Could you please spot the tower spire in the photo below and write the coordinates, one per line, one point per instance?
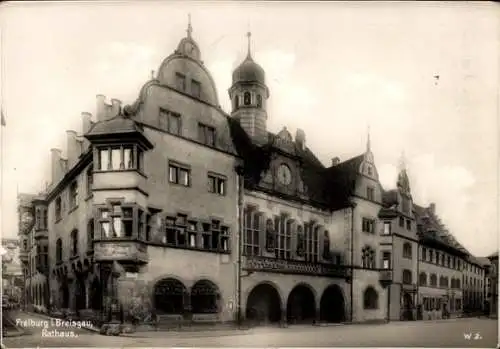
(402, 162)
(249, 35)
(368, 142)
(189, 28)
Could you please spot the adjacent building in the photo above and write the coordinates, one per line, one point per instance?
(171, 209)
(493, 291)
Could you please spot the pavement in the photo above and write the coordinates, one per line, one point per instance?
(461, 333)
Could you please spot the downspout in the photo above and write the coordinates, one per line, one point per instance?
(240, 186)
(352, 259)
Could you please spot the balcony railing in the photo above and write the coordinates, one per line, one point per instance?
(126, 251)
(273, 265)
(385, 276)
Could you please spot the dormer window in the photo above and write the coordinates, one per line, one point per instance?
(370, 193)
(247, 98)
(196, 88)
(259, 101)
(180, 81)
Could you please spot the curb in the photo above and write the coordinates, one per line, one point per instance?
(92, 329)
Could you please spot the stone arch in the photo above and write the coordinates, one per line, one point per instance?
(301, 304)
(169, 296)
(332, 304)
(264, 303)
(205, 297)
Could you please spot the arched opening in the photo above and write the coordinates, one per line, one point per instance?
(370, 298)
(64, 290)
(332, 305)
(95, 292)
(407, 306)
(301, 305)
(169, 296)
(263, 304)
(205, 297)
(80, 294)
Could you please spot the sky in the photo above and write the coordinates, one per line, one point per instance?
(422, 77)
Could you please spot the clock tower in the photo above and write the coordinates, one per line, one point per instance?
(249, 95)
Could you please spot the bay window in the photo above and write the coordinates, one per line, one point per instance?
(124, 157)
(116, 222)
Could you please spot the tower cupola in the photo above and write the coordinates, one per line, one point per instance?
(249, 95)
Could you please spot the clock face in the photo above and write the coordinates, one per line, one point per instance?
(284, 175)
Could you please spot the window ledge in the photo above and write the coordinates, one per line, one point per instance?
(141, 172)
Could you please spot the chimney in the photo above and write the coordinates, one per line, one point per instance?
(56, 172)
(300, 138)
(335, 161)
(101, 108)
(116, 107)
(72, 147)
(432, 207)
(86, 122)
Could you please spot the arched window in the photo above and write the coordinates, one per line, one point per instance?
(59, 250)
(74, 242)
(247, 98)
(433, 280)
(311, 242)
(370, 298)
(90, 235)
(407, 277)
(236, 102)
(422, 279)
(259, 101)
(457, 283)
(446, 282)
(407, 252)
(368, 258)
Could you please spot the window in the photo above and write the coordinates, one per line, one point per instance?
(448, 261)
(368, 225)
(401, 222)
(433, 280)
(408, 224)
(120, 158)
(370, 170)
(437, 257)
(179, 175)
(73, 195)
(424, 254)
(431, 256)
(90, 235)
(181, 232)
(216, 184)
(368, 258)
(252, 225)
(387, 228)
(38, 218)
(259, 101)
(407, 250)
(406, 204)
(58, 208)
(236, 102)
(45, 218)
(170, 122)
(370, 193)
(370, 298)
(89, 181)
(283, 227)
(180, 81)
(196, 88)
(407, 277)
(74, 243)
(59, 250)
(442, 259)
(206, 134)
(25, 245)
(247, 98)
(117, 222)
(422, 279)
(386, 260)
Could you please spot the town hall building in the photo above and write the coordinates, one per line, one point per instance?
(172, 209)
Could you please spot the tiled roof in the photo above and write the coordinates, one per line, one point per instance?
(324, 186)
(493, 256)
(115, 125)
(484, 261)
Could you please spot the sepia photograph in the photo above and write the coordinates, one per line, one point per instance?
(249, 174)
